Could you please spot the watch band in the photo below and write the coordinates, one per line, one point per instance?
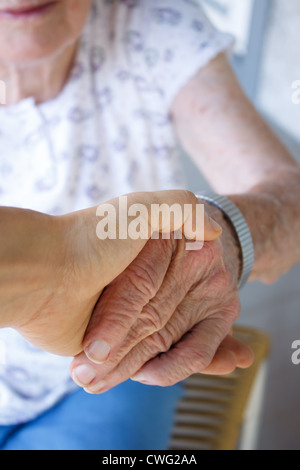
(241, 228)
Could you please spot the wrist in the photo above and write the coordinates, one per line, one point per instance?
(231, 247)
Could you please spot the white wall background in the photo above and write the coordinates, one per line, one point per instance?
(281, 66)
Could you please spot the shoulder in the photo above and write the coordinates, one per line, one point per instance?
(162, 42)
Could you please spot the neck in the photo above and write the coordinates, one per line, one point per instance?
(41, 80)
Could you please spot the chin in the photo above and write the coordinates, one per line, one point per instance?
(28, 54)
(35, 39)
(30, 47)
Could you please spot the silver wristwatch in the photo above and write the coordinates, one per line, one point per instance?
(241, 228)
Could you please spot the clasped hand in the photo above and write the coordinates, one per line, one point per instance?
(149, 310)
(167, 316)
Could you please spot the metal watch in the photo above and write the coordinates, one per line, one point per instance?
(241, 228)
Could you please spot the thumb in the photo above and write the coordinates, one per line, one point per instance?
(212, 230)
(181, 210)
(122, 226)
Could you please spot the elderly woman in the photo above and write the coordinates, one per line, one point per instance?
(99, 94)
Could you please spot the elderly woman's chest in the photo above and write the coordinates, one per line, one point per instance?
(98, 143)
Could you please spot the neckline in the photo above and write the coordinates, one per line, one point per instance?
(29, 104)
(22, 106)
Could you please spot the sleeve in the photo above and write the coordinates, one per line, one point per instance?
(174, 40)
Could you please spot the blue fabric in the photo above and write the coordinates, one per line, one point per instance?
(132, 416)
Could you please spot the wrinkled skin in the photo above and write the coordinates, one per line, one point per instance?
(172, 301)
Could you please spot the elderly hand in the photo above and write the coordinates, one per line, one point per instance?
(168, 316)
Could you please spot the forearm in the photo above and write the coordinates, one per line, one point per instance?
(27, 254)
(273, 217)
(242, 158)
(272, 211)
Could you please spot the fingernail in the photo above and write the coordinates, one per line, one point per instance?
(98, 351)
(96, 388)
(140, 377)
(214, 225)
(83, 375)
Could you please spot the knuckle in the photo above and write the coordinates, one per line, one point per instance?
(119, 321)
(154, 345)
(221, 281)
(201, 359)
(162, 341)
(228, 315)
(152, 318)
(143, 280)
(189, 363)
